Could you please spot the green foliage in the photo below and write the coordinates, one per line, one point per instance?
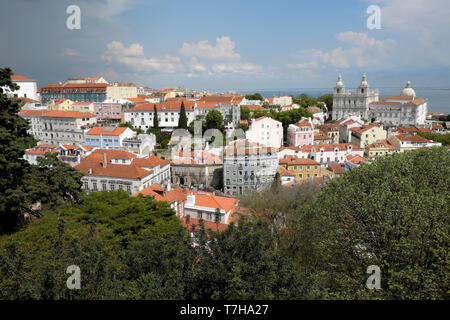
(242, 126)
(155, 118)
(130, 125)
(328, 99)
(255, 96)
(245, 113)
(183, 121)
(14, 141)
(436, 137)
(53, 182)
(393, 213)
(305, 100)
(214, 120)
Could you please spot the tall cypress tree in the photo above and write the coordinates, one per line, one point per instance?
(182, 121)
(14, 140)
(155, 118)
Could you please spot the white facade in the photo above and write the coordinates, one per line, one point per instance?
(266, 131)
(248, 166)
(58, 127)
(364, 102)
(282, 100)
(28, 88)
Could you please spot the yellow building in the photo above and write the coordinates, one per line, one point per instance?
(367, 134)
(60, 104)
(83, 106)
(379, 149)
(121, 91)
(302, 168)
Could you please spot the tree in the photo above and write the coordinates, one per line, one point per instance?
(393, 213)
(255, 96)
(443, 138)
(15, 139)
(183, 121)
(214, 120)
(245, 113)
(53, 182)
(155, 118)
(128, 124)
(328, 99)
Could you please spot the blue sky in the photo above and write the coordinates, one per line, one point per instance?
(230, 44)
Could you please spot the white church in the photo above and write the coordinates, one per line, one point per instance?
(405, 109)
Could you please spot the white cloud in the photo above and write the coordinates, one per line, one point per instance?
(223, 49)
(364, 52)
(217, 58)
(421, 27)
(71, 53)
(134, 58)
(106, 9)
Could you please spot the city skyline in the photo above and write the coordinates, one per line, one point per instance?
(232, 45)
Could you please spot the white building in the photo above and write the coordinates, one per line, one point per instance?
(405, 109)
(142, 115)
(248, 166)
(58, 127)
(114, 169)
(267, 131)
(28, 88)
(107, 137)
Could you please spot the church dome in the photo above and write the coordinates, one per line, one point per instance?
(408, 91)
(339, 83)
(364, 81)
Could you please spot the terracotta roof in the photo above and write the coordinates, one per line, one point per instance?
(314, 109)
(356, 159)
(208, 224)
(293, 160)
(97, 131)
(336, 168)
(303, 123)
(330, 147)
(170, 106)
(364, 128)
(16, 77)
(112, 170)
(253, 107)
(42, 149)
(150, 162)
(57, 113)
(97, 155)
(285, 172)
(382, 144)
(411, 138)
(209, 200)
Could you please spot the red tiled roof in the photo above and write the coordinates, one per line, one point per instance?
(356, 159)
(42, 149)
(293, 160)
(112, 170)
(171, 106)
(16, 77)
(381, 144)
(57, 113)
(97, 131)
(336, 168)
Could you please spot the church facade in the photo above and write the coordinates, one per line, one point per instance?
(405, 109)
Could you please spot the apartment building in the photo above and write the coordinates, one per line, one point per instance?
(58, 127)
(248, 166)
(303, 169)
(107, 137)
(300, 133)
(267, 131)
(367, 134)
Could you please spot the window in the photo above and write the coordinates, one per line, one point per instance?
(104, 186)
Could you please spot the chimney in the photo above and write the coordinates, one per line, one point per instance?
(105, 160)
(90, 171)
(190, 199)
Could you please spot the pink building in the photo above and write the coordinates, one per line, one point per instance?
(108, 110)
(301, 133)
(332, 153)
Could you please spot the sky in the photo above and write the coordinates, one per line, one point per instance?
(229, 45)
